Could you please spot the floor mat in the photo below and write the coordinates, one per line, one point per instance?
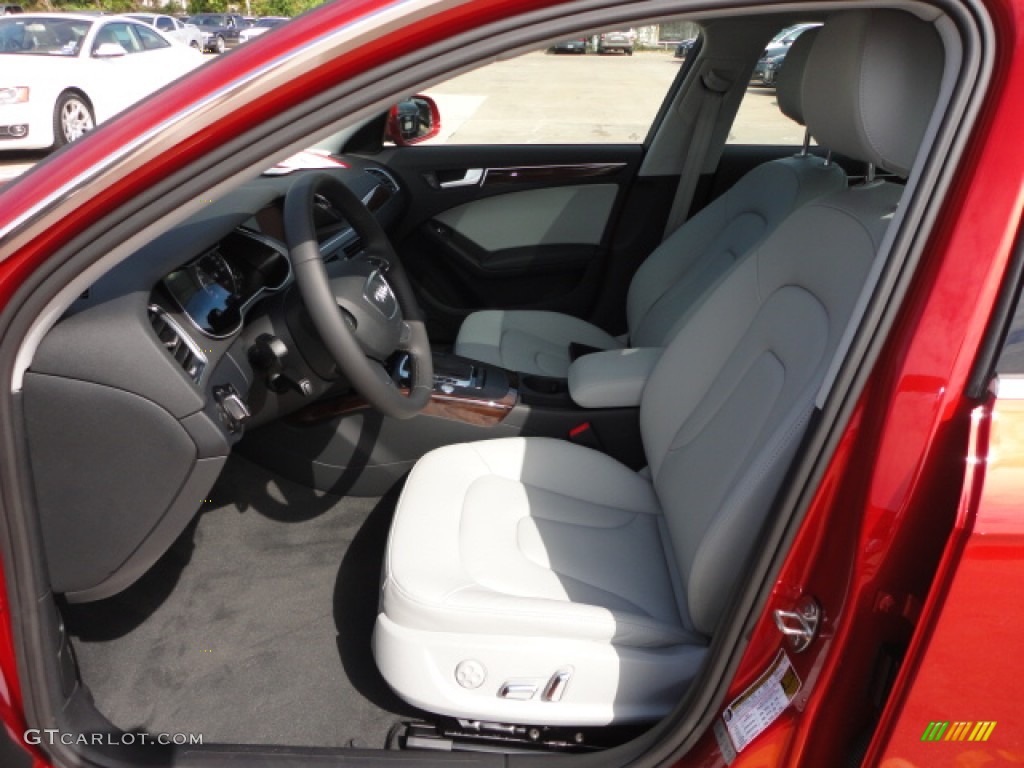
(255, 627)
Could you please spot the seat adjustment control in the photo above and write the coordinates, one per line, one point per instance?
(556, 686)
(518, 690)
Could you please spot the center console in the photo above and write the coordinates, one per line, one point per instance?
(342, 445)
(470, 391)
(530, 405)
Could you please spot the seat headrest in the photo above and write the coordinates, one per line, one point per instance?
(790, 81)
(871, 84)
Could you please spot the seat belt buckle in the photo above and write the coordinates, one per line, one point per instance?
(585, 435)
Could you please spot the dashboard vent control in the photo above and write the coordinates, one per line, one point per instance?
(177, 343)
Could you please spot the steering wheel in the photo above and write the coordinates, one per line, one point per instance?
(364, 310)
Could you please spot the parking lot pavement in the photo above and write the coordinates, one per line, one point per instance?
(9, 170)
(552, 99)
(13, 164)
(547, 99)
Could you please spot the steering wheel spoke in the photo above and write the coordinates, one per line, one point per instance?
(363, 308)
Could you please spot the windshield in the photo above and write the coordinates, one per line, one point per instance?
(269, 22)
(789, 34)
(46, 36)
(208, 21)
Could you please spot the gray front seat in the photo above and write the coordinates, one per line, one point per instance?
(536, 581)
(680, 271)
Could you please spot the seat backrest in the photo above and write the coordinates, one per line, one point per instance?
(725, 408)
(680, 271)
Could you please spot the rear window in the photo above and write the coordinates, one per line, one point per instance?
(759, 120)
(42, 36)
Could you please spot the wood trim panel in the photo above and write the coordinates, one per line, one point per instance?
(469, 410)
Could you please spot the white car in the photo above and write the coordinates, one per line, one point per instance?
(260, 26)
(172, 29)
(62, 73)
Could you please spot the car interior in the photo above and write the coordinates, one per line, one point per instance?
(442, 447)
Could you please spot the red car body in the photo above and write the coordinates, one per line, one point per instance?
(902, 468)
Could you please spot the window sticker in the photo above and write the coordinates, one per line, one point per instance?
(760, 705)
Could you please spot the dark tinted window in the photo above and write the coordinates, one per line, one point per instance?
(47, 36)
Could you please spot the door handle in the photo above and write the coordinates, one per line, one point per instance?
(472, 177)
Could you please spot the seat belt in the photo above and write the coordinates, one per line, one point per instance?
(713, 90)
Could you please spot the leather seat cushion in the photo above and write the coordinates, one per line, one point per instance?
(534, 537)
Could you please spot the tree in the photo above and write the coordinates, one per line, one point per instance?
(282, 7)
(207, 6)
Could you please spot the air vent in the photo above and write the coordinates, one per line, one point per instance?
(385, 177)
(177, 343)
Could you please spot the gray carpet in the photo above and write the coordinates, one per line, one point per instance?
(255, 627)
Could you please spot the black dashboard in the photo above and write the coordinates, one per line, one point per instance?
(136, 396)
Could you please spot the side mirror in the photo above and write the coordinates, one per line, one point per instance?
(109, 51)
(412, 121)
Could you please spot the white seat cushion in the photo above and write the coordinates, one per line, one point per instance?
(535, 543)
(528, 341)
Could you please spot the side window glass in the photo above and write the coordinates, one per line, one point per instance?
(602, 87)
(150, 40)
(165, 24)
(118, 33)
(759, 120)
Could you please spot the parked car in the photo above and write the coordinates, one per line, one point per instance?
(7, 10)
(220, 30)
(761, 509)
(261, 26)
(684, 48)
(615, 42)
(768, 65)
(788, 36)
(576, 45)
(766, 69)
(172, 28)
(65, 73)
